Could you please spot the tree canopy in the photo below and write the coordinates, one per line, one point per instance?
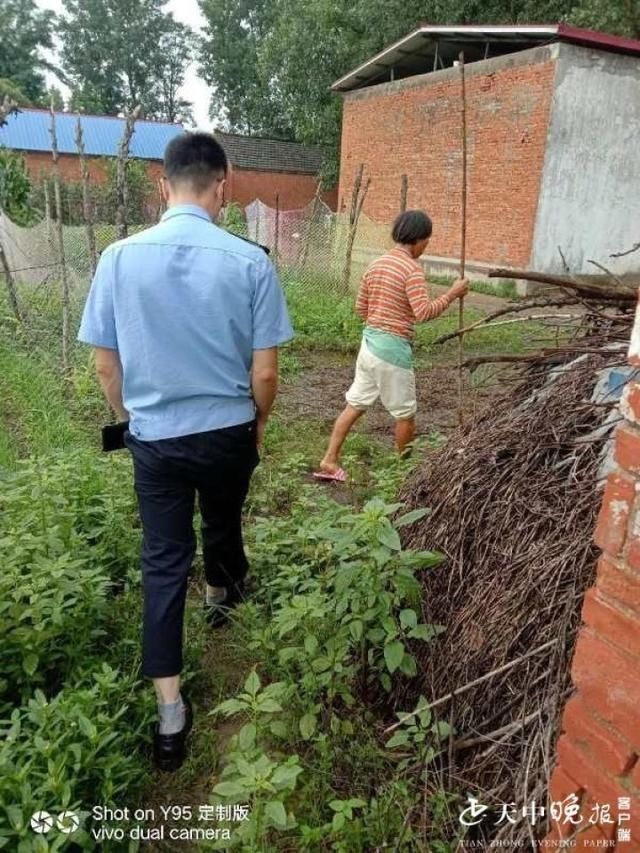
(270, 64)
(25, 32)
(118, 53)
(13, 92)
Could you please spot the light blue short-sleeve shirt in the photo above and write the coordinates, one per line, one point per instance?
(185, 304)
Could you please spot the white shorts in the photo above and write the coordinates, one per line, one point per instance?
(396, 386)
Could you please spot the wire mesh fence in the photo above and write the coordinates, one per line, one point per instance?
(35, 271)
(308, 247)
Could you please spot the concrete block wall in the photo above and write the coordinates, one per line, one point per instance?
(589, 192)
(599, 746)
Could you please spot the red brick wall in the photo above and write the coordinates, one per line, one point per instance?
(294, 191)
(244, 185)
(599, 744)
(39, 163)
(412, 127)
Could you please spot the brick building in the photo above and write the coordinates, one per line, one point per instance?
(553, 117)
(28, 133)
(599, 746)
(268, 168)
(262, 168)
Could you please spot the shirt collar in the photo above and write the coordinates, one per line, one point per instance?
(186, 210)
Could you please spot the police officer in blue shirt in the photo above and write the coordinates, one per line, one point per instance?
(186, 319)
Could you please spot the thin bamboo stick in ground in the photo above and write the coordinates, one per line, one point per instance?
(463, 242)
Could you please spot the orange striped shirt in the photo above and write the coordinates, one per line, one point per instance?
(394, 295)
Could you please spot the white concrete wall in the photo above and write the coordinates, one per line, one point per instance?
(589, 201)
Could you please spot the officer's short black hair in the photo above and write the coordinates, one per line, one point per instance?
(195, 158)
(411, 226)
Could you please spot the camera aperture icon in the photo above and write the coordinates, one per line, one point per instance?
(42, 822)
(68, 822)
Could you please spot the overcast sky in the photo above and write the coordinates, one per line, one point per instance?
(195, 90)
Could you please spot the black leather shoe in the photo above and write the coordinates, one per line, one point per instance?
(218, 614)
(169, 750)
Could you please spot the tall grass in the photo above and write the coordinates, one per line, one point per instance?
(37, 411)
(326, 320)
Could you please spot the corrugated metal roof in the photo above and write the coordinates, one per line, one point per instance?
(28, 130)
(598, 40)
(270, 155)
(430, 47)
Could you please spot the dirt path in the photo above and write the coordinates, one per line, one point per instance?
(224, 666)
(317, 393)
(309, 401)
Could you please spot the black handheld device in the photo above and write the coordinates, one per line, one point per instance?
(113, 436)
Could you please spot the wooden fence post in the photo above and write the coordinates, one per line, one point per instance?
(404, 186)
(66, 308)
(12, 291)
(276, 240)
(310, 223)
(47, 211)
(357, 200)
(87, 212)
(122, 187)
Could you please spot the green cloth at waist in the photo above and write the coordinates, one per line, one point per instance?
(389, 347)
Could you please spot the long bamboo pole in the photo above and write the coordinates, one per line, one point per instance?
(463, 242)
(66, 301)
(87, 211)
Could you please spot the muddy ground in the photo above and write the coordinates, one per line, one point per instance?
(317, 393)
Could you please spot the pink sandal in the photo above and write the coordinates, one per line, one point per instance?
(338, 476)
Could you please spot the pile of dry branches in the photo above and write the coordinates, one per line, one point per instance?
(513, 500)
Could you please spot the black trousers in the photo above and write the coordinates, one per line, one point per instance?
(217, 466)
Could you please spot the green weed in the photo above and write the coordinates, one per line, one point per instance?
(80, 746)
(333, 619)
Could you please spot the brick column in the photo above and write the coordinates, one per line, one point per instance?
(599, 745)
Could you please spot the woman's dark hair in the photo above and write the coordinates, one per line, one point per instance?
(195, 158)
(411, 226)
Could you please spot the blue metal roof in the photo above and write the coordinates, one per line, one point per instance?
(28, 130)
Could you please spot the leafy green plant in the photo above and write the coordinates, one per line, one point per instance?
(334, 616)
(344, 810)
(234, 219)
(81, 746)
(48, 615)
(259, 705)
(250, 774)
(65, 548)
(15, 189)
(419, 733)
(339, 585)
